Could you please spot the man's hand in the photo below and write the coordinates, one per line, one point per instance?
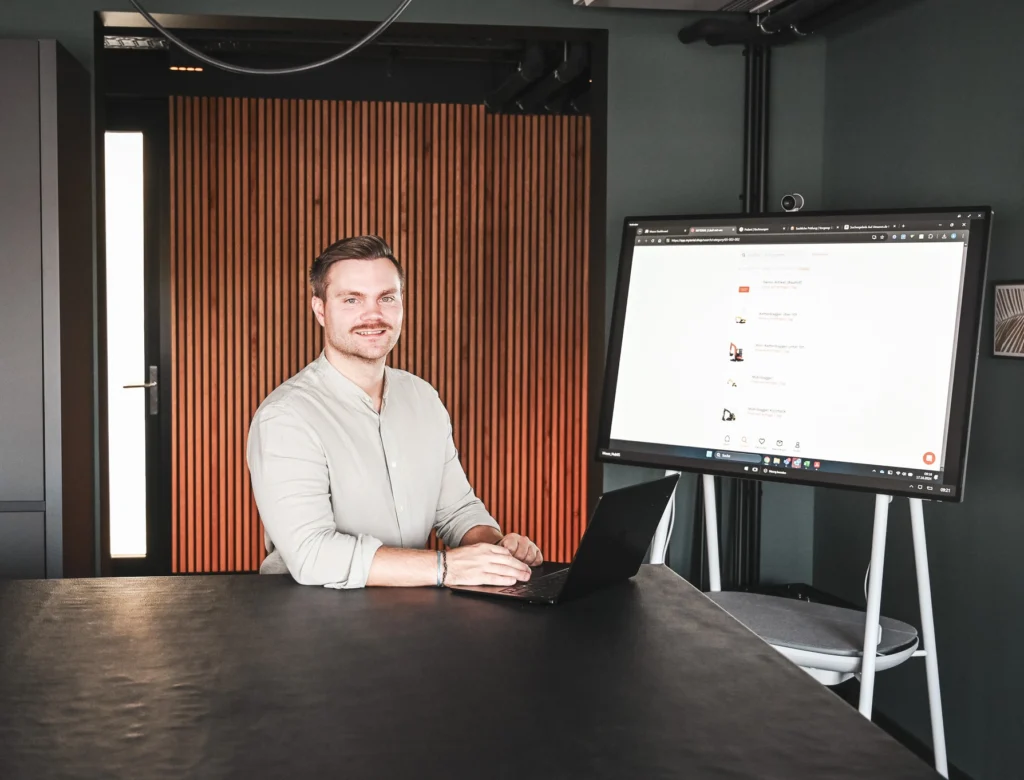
(522, 549)
(485, 564)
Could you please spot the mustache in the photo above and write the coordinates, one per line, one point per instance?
(372, 326)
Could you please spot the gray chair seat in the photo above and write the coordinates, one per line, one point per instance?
(810, 627)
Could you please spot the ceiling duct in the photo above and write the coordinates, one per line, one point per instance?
(784, 23)
(702, 6)
(745, 22)
(789, 16)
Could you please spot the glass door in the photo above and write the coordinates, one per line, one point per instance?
(132, 390)
(137, 472)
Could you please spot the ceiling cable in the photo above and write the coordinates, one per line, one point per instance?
(369, 38)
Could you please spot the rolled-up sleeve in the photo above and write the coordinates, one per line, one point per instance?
(458, 507)
(291, 485)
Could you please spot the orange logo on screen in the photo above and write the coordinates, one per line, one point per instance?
(744, 289)
(929, 458)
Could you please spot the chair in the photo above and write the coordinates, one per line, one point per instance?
(830, 643)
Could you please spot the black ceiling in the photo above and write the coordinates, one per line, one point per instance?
(418, 63)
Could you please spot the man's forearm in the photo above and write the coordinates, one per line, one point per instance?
(481, 534)
(398, 567)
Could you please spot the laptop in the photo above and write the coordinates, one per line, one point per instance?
(613, 546)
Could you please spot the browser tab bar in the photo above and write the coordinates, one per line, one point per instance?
(812, 228)
(713, 230)
(869, 226)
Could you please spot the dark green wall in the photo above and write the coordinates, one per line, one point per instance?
(926, 107)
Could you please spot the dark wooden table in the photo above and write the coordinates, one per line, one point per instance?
(255, 677)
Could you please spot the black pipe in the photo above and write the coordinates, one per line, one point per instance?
(697, 539)
(703, 28)
(755, 511)
(748, 129)
(723, 32)
(746, 507)
(747, 510)
(740, 545)
(755, 131)
(755, 128)
(763, 94)
(739, 533)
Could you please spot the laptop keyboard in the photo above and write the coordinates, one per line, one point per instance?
(547, 586)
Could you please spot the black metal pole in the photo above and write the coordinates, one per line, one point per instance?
(749, 505)
(697, 546)
(746, 506)
(749, 128)
(763, 95)
(740, 522)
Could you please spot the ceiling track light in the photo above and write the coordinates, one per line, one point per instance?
(529, 69)
(548, 92)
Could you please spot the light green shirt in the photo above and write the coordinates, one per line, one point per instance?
(334, 480)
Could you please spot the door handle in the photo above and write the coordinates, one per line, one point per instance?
(151, 385)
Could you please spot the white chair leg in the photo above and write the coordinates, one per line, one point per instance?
(867, 681)
(931, 661)
(711, 520)
(660, 542)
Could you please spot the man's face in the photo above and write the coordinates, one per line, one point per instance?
(362, 313)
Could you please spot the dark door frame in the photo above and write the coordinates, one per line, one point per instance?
(158, 300)
(151, 117)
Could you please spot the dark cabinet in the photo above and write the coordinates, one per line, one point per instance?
(47, 305)
(21, 282)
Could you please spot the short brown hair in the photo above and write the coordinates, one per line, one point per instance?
(353, 248)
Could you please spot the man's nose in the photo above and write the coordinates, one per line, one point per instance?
(372, 310)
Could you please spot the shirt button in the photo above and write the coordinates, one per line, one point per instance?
(394, 464)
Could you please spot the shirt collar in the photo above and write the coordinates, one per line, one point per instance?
(348, 389)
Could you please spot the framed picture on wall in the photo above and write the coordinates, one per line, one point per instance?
(1008, 333)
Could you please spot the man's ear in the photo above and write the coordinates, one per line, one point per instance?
(318, 310)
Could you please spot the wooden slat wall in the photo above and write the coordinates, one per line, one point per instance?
(489, 215)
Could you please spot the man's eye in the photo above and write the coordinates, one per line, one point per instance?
(350, 300)
(388, 298)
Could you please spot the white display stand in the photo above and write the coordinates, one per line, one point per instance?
(662, 535)
(659, 548)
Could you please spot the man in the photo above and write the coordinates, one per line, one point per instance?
(353, 463)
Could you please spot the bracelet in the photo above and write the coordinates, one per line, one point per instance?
(444, 558)
(439, 568)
